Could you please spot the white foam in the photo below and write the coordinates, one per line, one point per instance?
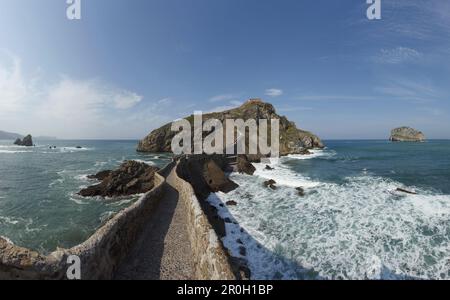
(9, 220)
(14, 151)
(74, 149)
(58, 181)
(354, 230)
(283, 175)
(78, 201)
(82, 177)
(315, 153)
(148, 162)
(7, 240)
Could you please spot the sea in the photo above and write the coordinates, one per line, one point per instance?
(351, 222)
(39, 205)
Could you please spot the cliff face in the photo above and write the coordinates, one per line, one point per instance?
(406, 134)
(292, 139)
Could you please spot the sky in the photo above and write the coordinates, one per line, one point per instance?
(128, 67)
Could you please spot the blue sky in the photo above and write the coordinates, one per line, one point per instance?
(129, 66)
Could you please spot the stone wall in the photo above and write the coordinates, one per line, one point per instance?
(212, 260)
(99, 255)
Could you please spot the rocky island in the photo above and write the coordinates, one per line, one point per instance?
(27, 141)
(292, 139)
(406, 134)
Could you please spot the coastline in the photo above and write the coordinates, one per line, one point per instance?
(108, 247)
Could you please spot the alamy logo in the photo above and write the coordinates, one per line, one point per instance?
(374, 10)
(73, 11)
(229, 137)
(74, 269)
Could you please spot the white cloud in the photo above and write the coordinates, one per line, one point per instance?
(68, 108)
(126, 99)
(13, 89)
(274, 92)
(398, 55)
(167, 100)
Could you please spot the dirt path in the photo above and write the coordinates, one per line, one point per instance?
(163, 251)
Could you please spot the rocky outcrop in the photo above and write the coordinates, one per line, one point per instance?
(270, 184)
(27, 141)
(131, 178)
(100, 176)
(206, 174)
(216, 179)
(292, 139)
(244, 165)
(406, 134)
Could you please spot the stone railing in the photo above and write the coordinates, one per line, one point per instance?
(212, 260)
(99, 255)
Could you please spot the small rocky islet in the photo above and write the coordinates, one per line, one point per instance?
(26, 141)
(406, 134)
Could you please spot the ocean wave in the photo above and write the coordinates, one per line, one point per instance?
(78, 200)
(73, 149)
(9, 220)
(58, 181)
(315, 153)
(355, 230)
(148, 162)
(100, 164)
(82, 177)
(282, 174)
(14, 151)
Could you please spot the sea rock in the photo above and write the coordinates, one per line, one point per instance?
(406, 134)
(406, 191)
(100, 175)
(270, 184)
(301, 191)
(27, 141)
(216, 179)
(231, 203)
(206, 174)
(131, 178)
(269, 168)
(292, 139)
(244, 165)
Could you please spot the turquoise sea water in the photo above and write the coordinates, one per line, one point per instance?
(39, 207)
(351, 224)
